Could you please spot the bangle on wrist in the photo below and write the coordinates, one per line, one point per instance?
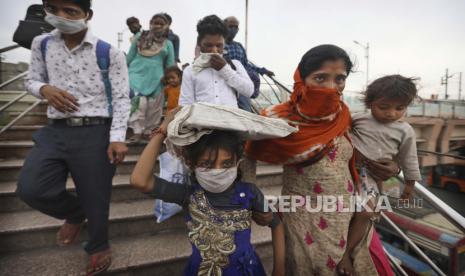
(161, 131)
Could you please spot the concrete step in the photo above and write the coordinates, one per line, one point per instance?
(267, 176)
(18, 133)
(20, 148)
(31, 118)
(10, 168)
(32, 229)
(22, 105)
(121, 191)
(150, 254)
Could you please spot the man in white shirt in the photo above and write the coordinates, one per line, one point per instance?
(87, 120)
(211, 78)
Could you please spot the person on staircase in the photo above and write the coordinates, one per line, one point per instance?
(174, 38)
(150, 54)
(218, 204)
(235, 51)
(134, 26)
(212, 78)
(87, 122)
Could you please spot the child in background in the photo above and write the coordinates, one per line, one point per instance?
(218, 204)
(382, 134)
(172, 81)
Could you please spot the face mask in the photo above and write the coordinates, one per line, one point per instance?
(216, 180)
(66, 26)
(232, 32)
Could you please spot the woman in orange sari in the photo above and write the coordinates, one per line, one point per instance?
(318, 161)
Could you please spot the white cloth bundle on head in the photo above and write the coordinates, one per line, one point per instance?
(202, 62)
(194, 121)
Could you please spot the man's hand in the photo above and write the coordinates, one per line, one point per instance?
(217, 62)
(59, 99)
(269, 73)
(408, 191)
(383, 169)
(116, 152)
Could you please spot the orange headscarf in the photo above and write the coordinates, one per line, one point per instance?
(321, 116)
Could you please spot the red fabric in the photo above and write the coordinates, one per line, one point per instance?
(379, 257)
(319, 114)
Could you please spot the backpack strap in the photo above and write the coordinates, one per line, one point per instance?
(43, 50)
(103, 61)
(229, 61)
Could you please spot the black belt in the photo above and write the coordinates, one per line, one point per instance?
(80, 121)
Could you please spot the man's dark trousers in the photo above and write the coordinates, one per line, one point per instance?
(82, 152)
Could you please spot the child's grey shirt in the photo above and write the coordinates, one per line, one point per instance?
(395, 141)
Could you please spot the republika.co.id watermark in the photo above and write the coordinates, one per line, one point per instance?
(331, 203)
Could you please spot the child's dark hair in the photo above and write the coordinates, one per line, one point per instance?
(160, 15)
(314, 58)
(172, 69)
(391, 87)
(85, 5)
(170, 20)
(218, 139)
(210, 25)
(131, 20)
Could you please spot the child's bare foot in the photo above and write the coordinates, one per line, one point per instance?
(345, 266)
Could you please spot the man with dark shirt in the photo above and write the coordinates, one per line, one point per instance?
(174, 38)
(133, 25)
(235, 50)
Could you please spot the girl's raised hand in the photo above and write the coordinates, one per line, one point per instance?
(170, 117)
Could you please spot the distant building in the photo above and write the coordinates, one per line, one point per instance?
(9, 71)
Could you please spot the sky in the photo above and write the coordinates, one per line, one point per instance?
(415, 38)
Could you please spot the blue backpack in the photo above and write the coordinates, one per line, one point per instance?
(103, 62)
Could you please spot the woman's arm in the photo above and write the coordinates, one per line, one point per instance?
(142, 175)
(383, 169)
(279, 259)
(132, 50)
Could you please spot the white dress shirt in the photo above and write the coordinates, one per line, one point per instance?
(216, 87)
(76, 71)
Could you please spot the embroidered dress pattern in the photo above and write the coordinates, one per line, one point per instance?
(212, 232)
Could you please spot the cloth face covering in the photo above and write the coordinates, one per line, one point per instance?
(152, 42)
(216, 180)
(64, 25)
(202, 62)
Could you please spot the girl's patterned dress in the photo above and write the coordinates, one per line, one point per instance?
(220, 238)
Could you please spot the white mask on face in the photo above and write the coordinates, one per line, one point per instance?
(216, 180)
(64, 25)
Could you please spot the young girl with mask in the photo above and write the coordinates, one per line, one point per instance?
(150, 54)
(218, 204)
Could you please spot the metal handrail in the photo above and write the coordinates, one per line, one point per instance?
(442, 154)
(394, 263)
(412, 245)
(282, 85)
(5, 128)
(8, 48)
(10, 103)
(19, 97)
(440, 206)
(17, 77)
